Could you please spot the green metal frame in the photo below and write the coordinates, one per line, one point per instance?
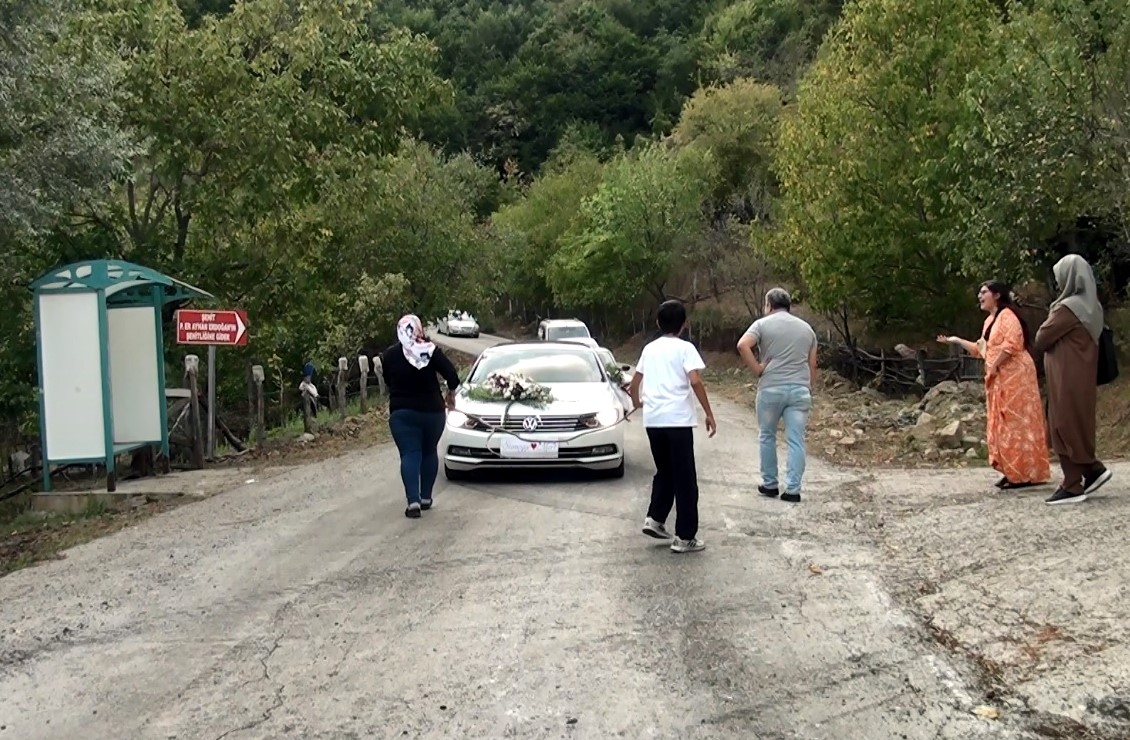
(119, 284)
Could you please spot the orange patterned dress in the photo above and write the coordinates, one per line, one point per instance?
(1017, 431)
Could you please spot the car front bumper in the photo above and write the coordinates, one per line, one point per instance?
(597, 449)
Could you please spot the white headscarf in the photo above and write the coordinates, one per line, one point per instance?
(416, 346)
(1077, 292)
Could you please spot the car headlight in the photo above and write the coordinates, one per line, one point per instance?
(459, 420)
(606, 417)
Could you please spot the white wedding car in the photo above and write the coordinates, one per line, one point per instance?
(580, 428)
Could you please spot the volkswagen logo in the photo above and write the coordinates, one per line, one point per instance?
(531, 423)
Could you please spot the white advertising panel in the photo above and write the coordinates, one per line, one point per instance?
(72, 375)
(134, 387)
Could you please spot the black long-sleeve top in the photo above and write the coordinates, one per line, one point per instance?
(418, 390)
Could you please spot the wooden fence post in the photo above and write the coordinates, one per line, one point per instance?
(307, 413)
(250, 402)
(378, 370)
(342, 369)
(260, 409)
(191, 368)
(363, 363)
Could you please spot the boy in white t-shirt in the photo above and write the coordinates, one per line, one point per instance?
(668, 375)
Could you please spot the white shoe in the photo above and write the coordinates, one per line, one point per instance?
(694, 545)
(655, 529)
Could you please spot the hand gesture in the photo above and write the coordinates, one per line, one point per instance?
(943, 339)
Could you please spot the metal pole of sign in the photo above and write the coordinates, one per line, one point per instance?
(210, 453)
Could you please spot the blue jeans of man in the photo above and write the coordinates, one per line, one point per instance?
(416, 434)
(793, 404)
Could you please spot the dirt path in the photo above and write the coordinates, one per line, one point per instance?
(306, 605)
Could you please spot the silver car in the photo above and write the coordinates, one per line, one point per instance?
(458, 324)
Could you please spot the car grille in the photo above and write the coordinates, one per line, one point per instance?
(545, 424)
(566, 453)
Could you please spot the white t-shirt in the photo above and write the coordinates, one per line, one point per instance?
(665, 391)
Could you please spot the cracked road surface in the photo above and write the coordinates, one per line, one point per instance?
(306, 605)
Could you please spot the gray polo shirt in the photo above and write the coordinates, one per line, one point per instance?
(784, 343)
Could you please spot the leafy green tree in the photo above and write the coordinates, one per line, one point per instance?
(246, 114)
(866, 160)
(530, 231)
(59, 134)
(646, 210)
(737, 123)
(770, 40)
(1044, 153)
(59, 142)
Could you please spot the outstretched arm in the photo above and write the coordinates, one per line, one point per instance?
(965, 344)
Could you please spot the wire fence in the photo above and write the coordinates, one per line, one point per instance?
(900, 373)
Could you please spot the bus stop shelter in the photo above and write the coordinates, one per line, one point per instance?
(101, 357)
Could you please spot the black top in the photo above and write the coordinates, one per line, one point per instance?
(418, 390)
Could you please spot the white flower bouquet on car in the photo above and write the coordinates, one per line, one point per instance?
(510, 388)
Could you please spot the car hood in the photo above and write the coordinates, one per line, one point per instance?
(568, 399)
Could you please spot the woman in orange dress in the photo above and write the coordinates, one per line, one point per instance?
(1017, 432)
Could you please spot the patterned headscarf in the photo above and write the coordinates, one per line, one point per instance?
(416, 346)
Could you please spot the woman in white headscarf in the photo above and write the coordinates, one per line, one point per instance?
(1069, 340)
(417, 408)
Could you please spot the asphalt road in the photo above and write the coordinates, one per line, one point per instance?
(308, 606)
(466, 344)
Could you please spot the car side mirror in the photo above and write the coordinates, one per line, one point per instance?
(625, 367)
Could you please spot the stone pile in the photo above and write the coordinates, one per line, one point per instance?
(948, 423)
(951, 420)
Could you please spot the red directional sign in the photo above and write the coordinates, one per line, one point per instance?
(227, 328)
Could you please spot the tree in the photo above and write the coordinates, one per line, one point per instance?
(865, 160)
(647, 208)
(59, 141)
(1044, 153)
(249, 112)
(530, 231)
(770, 40)
(737, 123)
(59, 133)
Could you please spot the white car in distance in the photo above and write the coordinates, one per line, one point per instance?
(566, 330)
(458, 324)
(580, 428)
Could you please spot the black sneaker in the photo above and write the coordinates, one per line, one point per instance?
(766, 491)
(1096, 480)
(1066, 497)
(413, 511)
(792, 498)
(425, 503)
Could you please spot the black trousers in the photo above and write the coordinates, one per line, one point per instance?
(676, 481)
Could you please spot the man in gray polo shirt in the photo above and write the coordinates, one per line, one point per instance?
(786, 363)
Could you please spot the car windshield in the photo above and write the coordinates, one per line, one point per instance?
(541, 366)
(567, 332)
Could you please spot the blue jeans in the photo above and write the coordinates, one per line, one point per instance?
(417, 434)
(792, 403)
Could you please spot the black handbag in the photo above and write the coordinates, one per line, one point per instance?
(1108, 359)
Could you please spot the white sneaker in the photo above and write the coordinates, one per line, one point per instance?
(694, 545)
(655, 529)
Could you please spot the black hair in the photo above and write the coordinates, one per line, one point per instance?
(672, 316)
(1003, 294)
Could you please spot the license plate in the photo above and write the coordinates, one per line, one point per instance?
(520, 448)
